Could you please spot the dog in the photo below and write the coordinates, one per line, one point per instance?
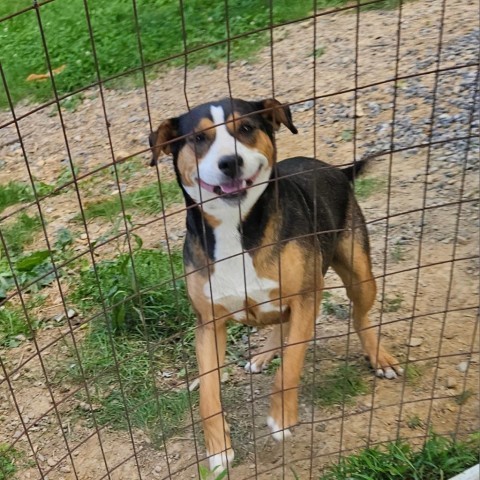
(260, 238)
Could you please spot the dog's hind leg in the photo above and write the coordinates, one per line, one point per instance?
(211, 338)
(352, 264)
(272, 346)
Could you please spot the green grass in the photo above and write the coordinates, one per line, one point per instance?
(440, 458)
(146, 200)
(392, 303)
(155, 311)
(414, 372)
(114, 30)
(8, 457)
(154, 316)
(339, 385)
(19, 234)
(13, 326)
(414, 422)
(115, 38)
(14, 192)
(366, 186)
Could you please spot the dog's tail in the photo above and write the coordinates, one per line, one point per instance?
(356, 168)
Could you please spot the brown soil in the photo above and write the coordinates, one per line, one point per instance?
(440, 301)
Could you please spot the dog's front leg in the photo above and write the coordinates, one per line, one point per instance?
(211, 337)
(284, 402)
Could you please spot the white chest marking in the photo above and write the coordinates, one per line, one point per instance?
(234, 278)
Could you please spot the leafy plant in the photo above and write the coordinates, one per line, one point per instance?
(8, 457)
(439, 458)
(13, 193)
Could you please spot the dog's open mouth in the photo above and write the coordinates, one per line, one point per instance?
(232, 188)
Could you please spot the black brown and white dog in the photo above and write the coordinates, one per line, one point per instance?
(260, 238)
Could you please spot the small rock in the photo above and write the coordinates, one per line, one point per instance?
(51, 462)
(451, 382)
(71, 313)
(65, 469)
(462, 367)
(321, 427)
(414, 342)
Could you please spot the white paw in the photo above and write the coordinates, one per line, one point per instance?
(279, 434)
(220, 461)
(252, 367)
(389, 372)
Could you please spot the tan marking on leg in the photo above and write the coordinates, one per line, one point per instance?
(284, 401)
(211, 340)
(352, 264)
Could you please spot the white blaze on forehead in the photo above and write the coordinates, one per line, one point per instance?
(224, 143)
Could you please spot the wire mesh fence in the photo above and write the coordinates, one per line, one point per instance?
(99, 374)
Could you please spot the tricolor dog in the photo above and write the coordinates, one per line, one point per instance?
(260, 238)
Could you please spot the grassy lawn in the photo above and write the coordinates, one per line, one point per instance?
(115, 35)
(114, 27)
(440, 458)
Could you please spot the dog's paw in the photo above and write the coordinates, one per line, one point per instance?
(259, 362)
(278, 433)
(386, 366)
(220, 461)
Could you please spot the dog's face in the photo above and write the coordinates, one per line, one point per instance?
(223, 149)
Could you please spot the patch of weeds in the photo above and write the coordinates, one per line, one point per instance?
(274, 365)
(347, 135)
(318, 52)
(146, 199)
(14, 192)
(413, 373)
(71, 103)
(331, 307)
(152, 406)
(8, 460)
(392, 304)
(462, 398)
(33, 268)
(152, 304)
(414, 422)
(337, 386)
(20, 233)
(439, 458)
(366, 186)
(397, 253)
(237, 341)
(13, 326)
(138, 314)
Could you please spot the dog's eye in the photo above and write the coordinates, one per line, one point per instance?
(246, 128)
(199, 138)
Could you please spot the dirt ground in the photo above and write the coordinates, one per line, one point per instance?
(413, 218)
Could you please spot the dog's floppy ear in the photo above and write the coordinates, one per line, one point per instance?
(166, 132)
(276, 114)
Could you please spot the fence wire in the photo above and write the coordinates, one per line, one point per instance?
(63, 415)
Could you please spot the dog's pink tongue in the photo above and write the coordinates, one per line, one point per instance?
(233, 186)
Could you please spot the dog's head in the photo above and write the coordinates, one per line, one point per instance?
(223, 149)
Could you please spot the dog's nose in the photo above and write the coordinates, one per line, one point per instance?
(230, 165)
